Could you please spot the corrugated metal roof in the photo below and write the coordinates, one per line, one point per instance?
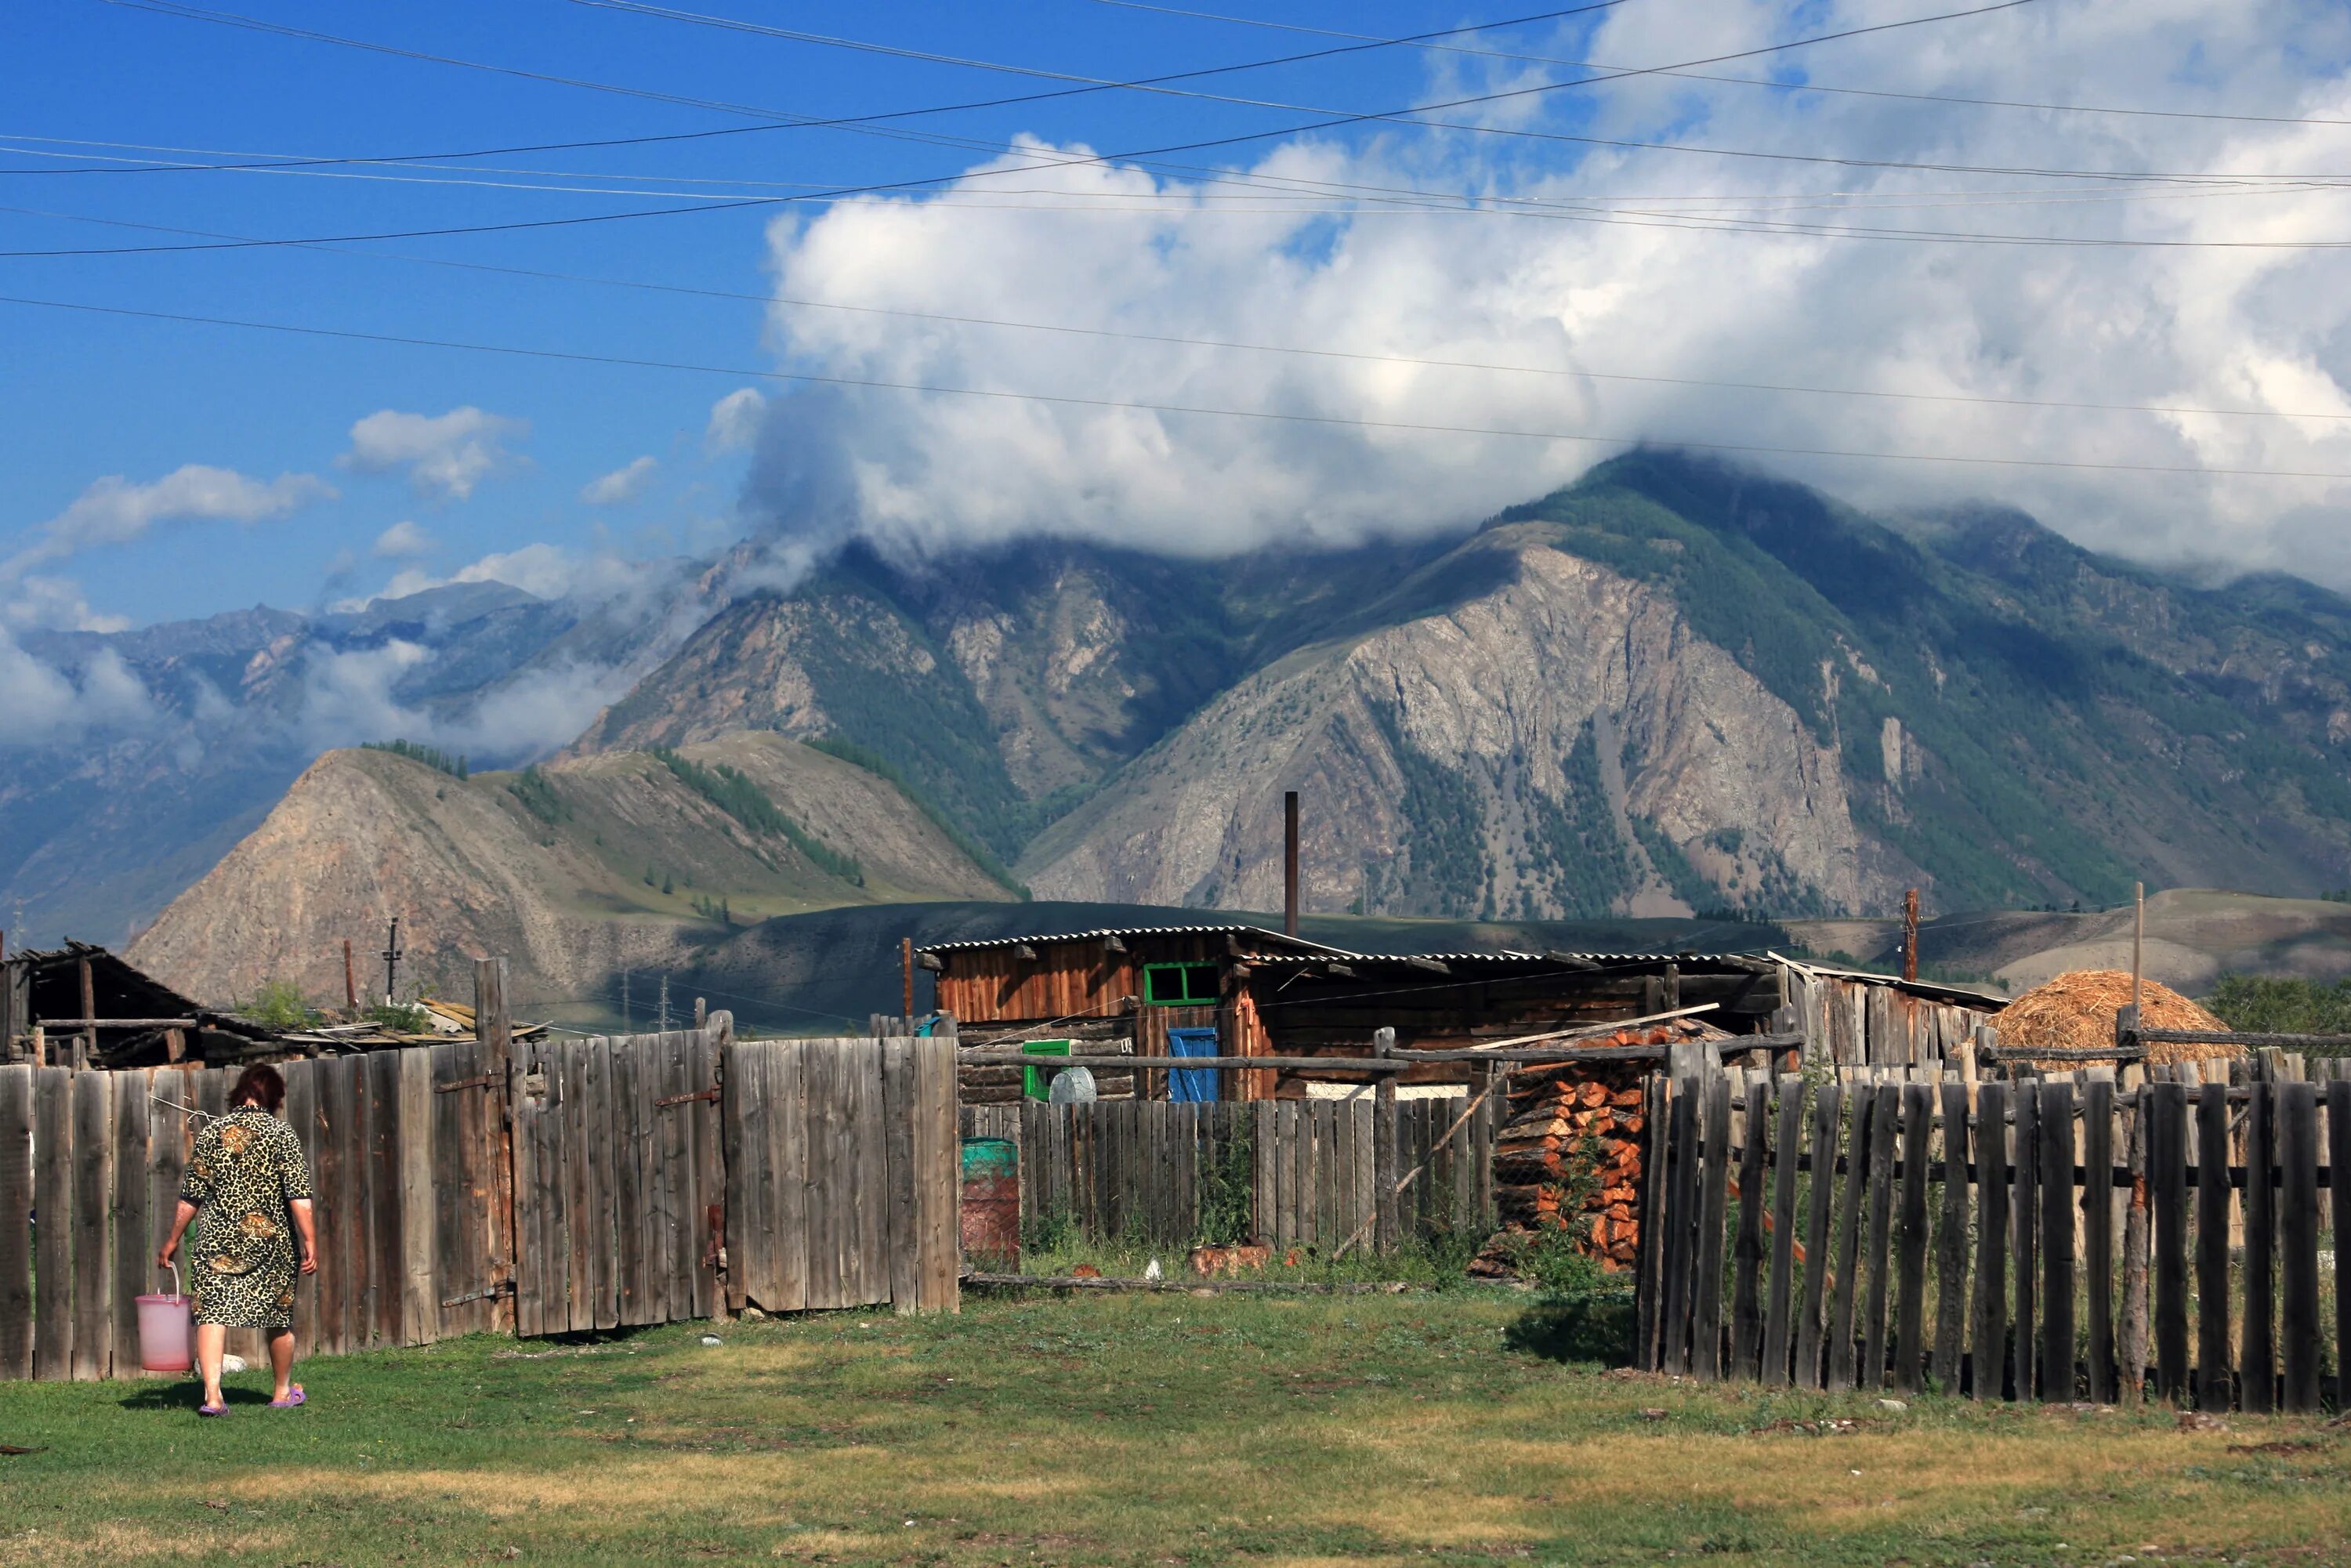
(1313, 949)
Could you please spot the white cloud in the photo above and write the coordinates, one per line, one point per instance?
(1632, 262)
(402, 541)
(43, 704)
(115, 511)
(447, 456)
(621, 485)
(734, 421)
(54, 603)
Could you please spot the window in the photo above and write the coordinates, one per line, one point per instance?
(1037, 1083)
(1179, 985)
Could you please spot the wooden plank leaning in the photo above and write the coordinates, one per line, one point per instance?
(1951, 1242)
(1649, 1267)
(2297, 1150)
(2131, 1334)
(2257, 1355)
(1988, 1361)
(1826, 1119)
(1681, 1222)
(1714, 1205)
(2212, 1348)
(1786, 1140)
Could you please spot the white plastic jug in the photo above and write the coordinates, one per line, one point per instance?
(166, 1334)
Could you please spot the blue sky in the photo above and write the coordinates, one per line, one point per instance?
(2184, 322)
(88, 396)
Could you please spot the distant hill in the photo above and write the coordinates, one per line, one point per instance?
(575, 870)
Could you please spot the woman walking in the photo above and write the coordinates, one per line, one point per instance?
(249, 1189)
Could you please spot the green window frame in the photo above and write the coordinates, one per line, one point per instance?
(1037, 1083)
(1186, 984)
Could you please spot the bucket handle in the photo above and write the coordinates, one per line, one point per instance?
(175, 1278)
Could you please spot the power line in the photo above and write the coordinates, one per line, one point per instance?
(1136, 405)
(1790, 86)
(1357, 356)
(1133, 155)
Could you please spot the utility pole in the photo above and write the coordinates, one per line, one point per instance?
(1290, 862)
(664, 1025)
(351, 980)
(1910, 935)
(626, 1017)
(391, 955)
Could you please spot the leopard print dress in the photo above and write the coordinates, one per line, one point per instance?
(247, 1169)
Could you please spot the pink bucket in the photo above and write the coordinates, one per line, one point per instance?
(166, 1333)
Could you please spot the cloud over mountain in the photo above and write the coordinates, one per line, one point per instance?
(2091, 282)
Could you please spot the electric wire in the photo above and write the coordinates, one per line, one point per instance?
(1138, 405)
(1356, 355)
(1788, 86)
(1237, 139)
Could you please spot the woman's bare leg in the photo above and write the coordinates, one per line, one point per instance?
(281, 1359)
(210, 1340)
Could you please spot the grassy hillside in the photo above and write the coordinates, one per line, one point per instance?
(576, 871)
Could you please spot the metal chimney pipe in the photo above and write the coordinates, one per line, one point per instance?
(1290, 862)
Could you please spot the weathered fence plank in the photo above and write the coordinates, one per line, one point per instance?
(2024, 1236)
(2168, 1172)
(2338, 1195)
(1747, 1250)
(93, 1173)
(2098, 1233)
(1988, 1363)
(1826, 1119)
(1885, 1139)
(54, 1191)
(1845, 1294)
(134, 1264)
(1788, 1132)
(1951, 1242)
(15, 1221)
(2257, 1352)
(1705, 1311)
(1910, 1322)
(2212, 1348)
(2300, 1334)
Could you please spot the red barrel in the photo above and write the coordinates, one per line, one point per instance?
(991, 1205)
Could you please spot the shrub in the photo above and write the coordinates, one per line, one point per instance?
(280, 1004)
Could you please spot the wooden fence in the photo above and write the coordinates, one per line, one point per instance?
(2056, 1238)
(573, 1185)
(1308, 1171)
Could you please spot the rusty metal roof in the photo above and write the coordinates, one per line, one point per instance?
(1303, 948)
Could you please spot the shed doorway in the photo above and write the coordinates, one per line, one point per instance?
(1199, 1085)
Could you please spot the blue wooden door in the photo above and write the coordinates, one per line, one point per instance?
(1200, 1085)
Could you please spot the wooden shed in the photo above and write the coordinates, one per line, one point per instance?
(1242, 991)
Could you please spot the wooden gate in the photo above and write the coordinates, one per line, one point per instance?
(618, 1182)
(840, 1172)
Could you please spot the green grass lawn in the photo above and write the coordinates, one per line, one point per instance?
(1171, 1429)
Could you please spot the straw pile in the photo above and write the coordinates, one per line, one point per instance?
(2076, 1010)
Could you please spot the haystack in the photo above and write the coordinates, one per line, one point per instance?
(2076, 1010)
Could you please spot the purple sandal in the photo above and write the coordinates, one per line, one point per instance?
(293, 1397)
(212, 1409)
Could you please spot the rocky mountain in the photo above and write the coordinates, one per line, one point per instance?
(211, 720)
(575, 870)
(1673, 687)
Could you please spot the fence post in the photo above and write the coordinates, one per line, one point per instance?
(1384, 1144)
(493, 1028)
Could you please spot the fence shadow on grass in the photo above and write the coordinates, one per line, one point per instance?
(1589, 1326)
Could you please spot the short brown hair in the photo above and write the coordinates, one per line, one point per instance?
(261, 1083)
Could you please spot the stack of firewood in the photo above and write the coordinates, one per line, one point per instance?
(1574, 1136)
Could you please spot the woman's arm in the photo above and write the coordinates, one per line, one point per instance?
(304, 1223)
(187, 1211)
